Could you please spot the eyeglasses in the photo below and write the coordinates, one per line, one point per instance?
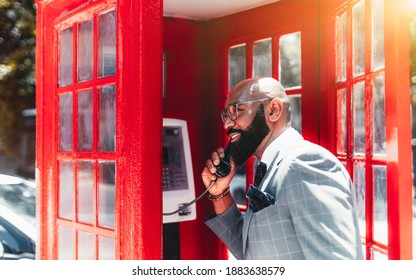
(231, 111)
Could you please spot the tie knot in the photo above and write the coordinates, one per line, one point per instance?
(260, 172)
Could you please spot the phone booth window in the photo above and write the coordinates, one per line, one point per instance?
(277, 56)
(86, 152)
(361, 115)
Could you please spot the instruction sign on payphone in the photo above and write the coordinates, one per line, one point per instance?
(177, 173)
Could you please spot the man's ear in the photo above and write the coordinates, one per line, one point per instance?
(276, 110)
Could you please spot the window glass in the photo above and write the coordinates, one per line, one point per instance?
(359, 127)
(85, 51)
(65, 122)
(107, 44)
(379, 123)
(378, 34)
(66, 198)
(65, 57)
(85, 192)
(236, 65)
(85, 120)
(359, 184)
(106, 196)
(85, 246)
(341, 46)
(106, 248)
(296, 112)
(380, 204)
(262, 58)
(342, 120)
(290, 60)
(358, 38)
(107, 118)
(65, 243)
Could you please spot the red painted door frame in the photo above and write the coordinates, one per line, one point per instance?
(138, 202)
(398, 119)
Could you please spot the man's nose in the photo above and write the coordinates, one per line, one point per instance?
(228, 123)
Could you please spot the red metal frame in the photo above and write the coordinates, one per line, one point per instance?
(138, 119)
(398, 157)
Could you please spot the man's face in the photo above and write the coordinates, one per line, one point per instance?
(250, 138)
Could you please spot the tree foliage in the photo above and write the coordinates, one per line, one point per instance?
(17, 66)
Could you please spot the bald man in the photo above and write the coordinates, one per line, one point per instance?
(302, 206)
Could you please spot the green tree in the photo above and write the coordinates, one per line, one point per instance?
(17, 66)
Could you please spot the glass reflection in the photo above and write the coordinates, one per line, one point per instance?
(378, 34)
(65, 243)
(359, 184)
(65, 122)
(359, 115)
(296, 112)
(341, 47)
(85, 192)
(379, 123)
(236, 65)
(85, 51)
(262, 58)
(106, 248)
(65, 57)
(85, 246)
(66, 197)
(107, 44)
(106, 193)
(85, 120)
(290, 61)
(380, 204)
(358, 38)
(107, 118)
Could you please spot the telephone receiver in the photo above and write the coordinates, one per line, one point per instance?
(224, 168)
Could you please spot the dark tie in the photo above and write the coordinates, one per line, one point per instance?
(258, 199)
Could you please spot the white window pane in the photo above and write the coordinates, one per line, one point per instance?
(107, 44)
(65, 62)
(236, 65)
(65, 243)
(107, 118)
(85, 118)
(379, 122)
(380, 204)
(85, 246)
(342, 120)
(262, 58)
(296, 112)
(85, 51)
(359, 184)
(85, 192)
(341, 46)
(66, 197)
(106, 248)
(290, 62)
(65, 122)
(359, 116)
(378, 34)
(358, 38)
(106, 196)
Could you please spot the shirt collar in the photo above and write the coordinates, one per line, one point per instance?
(279, 145)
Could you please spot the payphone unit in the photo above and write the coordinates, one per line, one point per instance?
(177, 172)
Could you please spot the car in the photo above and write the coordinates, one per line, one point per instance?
(17, 218)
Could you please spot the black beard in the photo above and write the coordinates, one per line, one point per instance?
(250, 138)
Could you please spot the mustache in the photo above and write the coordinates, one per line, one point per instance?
(232, 130)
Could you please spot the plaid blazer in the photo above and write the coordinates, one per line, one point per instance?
(314, 216)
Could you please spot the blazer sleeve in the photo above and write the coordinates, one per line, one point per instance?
(229, 227)
(320, 200)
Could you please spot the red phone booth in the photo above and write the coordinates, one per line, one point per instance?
(109, 71)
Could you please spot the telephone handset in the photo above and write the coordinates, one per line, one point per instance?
(224, 168)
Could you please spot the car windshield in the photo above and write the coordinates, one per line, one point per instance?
(18, 196)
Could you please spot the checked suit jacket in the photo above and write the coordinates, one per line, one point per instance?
(314, 216)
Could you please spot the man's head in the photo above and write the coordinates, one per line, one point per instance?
(257, 111)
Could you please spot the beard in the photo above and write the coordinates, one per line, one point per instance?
(250, 138)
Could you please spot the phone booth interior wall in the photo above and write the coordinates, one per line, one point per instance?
(98, 129)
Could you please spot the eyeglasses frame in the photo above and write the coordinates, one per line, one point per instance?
(224, 112)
